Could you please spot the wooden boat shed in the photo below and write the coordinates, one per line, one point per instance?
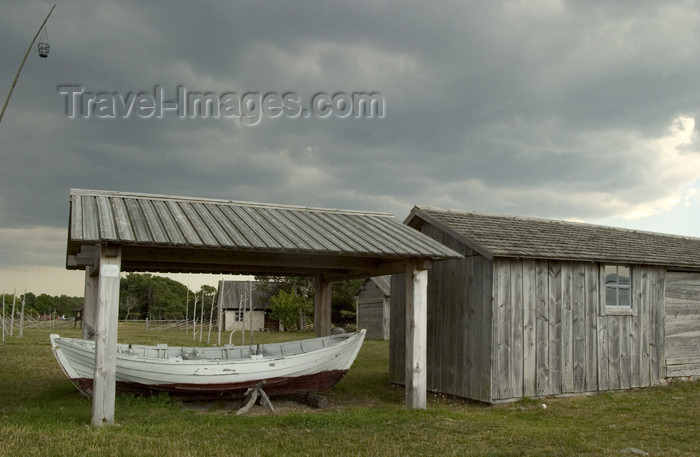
(113, 232)
(373, 307)
(240, 306)
(539, 307)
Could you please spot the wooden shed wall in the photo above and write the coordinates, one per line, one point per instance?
(551, 335)
(397, 329)
(682, 324)
(231, 324)
(373, 311)
(459, 323)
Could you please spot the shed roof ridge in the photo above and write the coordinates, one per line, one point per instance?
(148, 196)
(555, 221)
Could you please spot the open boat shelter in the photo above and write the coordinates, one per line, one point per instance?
(114, 232)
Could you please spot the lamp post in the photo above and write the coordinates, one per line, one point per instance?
(14, 83)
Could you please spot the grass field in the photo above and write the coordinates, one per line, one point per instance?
(42, 414)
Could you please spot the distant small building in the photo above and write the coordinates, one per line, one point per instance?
(235, 299)
(373, 303)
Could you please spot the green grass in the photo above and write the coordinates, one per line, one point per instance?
(41, 414)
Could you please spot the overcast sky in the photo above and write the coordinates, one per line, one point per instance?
(579, 110)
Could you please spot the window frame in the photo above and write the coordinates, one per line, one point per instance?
(616, 310)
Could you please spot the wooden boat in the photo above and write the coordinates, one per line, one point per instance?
(222, 371)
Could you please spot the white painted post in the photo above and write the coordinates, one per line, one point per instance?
(107, 320)
(416, 336)
(201, 319)
(12, 317)
(194, 319)
(3, 317)
(21, 315)
(89, 304)
(322, 306)
(211, 319)
(220, 312)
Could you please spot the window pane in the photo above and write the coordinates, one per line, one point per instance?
(618, 286)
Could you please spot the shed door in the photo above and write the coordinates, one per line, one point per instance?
(682, 324)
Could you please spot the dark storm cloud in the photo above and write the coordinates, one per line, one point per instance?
(549, 108)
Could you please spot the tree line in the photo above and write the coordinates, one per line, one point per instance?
(143, 295)
(42, 304)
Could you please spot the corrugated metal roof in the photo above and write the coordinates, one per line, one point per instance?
(131, 219)
(512, 236)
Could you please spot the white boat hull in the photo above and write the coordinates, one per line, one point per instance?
(291, 367)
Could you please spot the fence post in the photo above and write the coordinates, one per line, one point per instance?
(21, 316)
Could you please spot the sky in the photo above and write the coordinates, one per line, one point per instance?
(576, 110)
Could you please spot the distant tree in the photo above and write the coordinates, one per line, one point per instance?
(128, 304)
(299, 286)
(29, 302)
(342, 300)
(207, 299)
(44, 304)
(286, 306)
(157, 297)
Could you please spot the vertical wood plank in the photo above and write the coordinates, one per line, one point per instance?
(322, 306)
(625, 361)
(484, 332)
(614, 352)
(107, 319)
(644, 318)
(578, 322)
(386, 322)
(529, 328)
(567, 334)
(516, 324)
(466, 270)
(603, 356)
(658, 311)
(660, 292)
(542, 327)
(89, 305)
(501, 376)
(434, 331)
(416, 336)
(639, 276)
(592, 307)
(614, 327)
(555, 327)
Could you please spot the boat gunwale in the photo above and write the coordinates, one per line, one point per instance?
(81, 345)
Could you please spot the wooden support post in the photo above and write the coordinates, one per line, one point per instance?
(107, 319)
(322, 306)
(416, 336)
(89, 304)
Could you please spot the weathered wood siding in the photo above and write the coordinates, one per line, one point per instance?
(682, 324)
(373, 312)
(511, 328)
(459, 323)
(552, 336)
